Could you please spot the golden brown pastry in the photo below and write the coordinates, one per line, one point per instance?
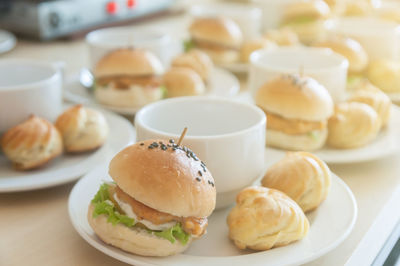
(183, 81)
(264, 218)
(353, 125)
(385, 74)
(197, 60)
(83, 129)
(302, 176)
(252, 45)
(32, 143)
(367, 93)
(282, 37)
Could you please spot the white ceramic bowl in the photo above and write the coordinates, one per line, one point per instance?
(380, 38)
(229, 136)
(247, 17)
(327, 67)
(28, 87)
(272, 12)
(103, 41)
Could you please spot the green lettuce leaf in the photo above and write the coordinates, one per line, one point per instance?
(188, 45)
(164, 91)
(299, 20)
(314, 135)
(173, 233)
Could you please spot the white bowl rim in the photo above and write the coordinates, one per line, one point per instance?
(341, 61)
(31, 85)
(262, 120)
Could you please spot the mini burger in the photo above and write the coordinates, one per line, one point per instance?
(183, 81)
(196, 60)
(297, 110)
(159, 201)
(307, 19)
(128, 78)
(221, 38)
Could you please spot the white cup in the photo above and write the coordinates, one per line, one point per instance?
(247, 17)
(103, 41)
(380, 38)
(227, 135)
(28, 87)
(322, 64)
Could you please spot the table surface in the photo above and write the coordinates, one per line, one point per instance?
(35, 228)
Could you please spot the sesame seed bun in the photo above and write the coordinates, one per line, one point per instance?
(181, 81)
(173, 181)
(294, 97)
(132, 62)
(221, 31)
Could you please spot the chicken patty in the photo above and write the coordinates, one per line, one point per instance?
(293, 126)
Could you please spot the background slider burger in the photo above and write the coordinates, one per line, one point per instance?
(160, 201)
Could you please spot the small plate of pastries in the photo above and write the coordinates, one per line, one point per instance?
(297, 211)
(301, 115)
(37, 153)
(126, 79)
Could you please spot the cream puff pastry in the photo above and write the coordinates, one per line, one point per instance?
(83, 129)
(197, 60)
(32, 143)
(302, 176)
(264, 218)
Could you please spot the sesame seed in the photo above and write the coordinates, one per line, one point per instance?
(171, 141)
(198, 179)
(141, 144)
(155, 144)
(200, 173)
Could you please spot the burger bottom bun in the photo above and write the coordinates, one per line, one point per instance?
(304, 142)
(135, 96)
(135, 241)
(223, 56)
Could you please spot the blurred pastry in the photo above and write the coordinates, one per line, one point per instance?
(338, 7)
(32, 143)
(353, 125)
(128, 78)
(282, 37)
(181, 81)
(264, 218)
(307, 19)
(302, 176)
(391, 14)
(297, 110)
(196, 60)
(359, 7)
(252, 45)
(367, 93)
(385, 74)
(219, 37)
(349, 48)
(82, 129)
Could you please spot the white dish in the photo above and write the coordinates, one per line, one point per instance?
(7, 41)
(238, 67)
(330, 224)
(222, 84)
(395, 97)
(68, 167)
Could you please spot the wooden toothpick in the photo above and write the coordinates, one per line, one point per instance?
(182, 136)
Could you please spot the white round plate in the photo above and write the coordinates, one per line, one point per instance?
(221, 84)
(330, 224)
(236, 67)
(67, 168)
(7, 41)
(395, 97)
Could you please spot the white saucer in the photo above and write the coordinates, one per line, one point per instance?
(222, 84)
(237, 67)
(395, 97)
(330, 224)
(68, 167)
(7, 41)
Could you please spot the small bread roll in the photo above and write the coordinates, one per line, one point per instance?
(367, 93)
(82, 129)
(265, 218)
(283, 37)
(32, 143)
(196, 60)
(252, 45)
(181, 81)
(359, 7)
(385, 74)
(353, 125)
(302, 176)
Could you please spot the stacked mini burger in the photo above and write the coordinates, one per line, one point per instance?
(159, 201)
(128, 78)
(297, 110)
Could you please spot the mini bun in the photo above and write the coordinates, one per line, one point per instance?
(181, 81)
(196, 60)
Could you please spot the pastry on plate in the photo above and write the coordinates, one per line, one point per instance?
(360, 7)
(307, 19)
(128, 78)
(297, 109)
(385, 74)
(367, 93)
(159, 201)
(302, 176)
(182, 81)
(264, 218)
(250, 46)
(32, 143)
(82, 129)
(196, 60)
(219, 37)
(353, 125)
(282, 37)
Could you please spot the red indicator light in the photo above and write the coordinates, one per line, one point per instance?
(130, 3)
(112, 7)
